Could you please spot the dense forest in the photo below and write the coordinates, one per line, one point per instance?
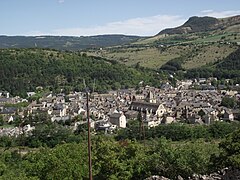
(23, 70)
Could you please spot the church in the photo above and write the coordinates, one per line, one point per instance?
(151, 112)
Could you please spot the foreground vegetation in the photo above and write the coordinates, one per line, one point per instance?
(53, 151)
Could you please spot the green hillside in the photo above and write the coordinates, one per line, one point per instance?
(193, 55)
(227, 68)
(23, 70)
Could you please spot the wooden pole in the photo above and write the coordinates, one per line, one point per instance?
(89, 139)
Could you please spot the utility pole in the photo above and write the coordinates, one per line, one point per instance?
(89, 138)
(94, 81)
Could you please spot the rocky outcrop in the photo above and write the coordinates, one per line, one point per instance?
(224, 174)
(157, 178)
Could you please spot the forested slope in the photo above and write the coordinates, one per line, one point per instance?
(23, 70)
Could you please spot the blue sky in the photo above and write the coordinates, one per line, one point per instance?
(93, 17)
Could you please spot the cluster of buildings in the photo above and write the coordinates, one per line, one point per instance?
(153, 106)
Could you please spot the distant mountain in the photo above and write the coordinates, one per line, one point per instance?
(202, 24)
(65, 42)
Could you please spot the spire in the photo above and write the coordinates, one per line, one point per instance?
(150, 97)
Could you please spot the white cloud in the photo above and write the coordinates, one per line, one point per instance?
(61, 1)
(34, 33)
(207, 11)
(219, 14)
(145, 26)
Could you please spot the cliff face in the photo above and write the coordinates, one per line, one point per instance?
(202, 24)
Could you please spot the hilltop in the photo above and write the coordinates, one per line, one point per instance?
(202, 24)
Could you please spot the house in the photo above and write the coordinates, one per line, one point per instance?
(9, 111)
(5, 94)
(166, 86)
(9, 118)
(29, 94)
(138, 97)
(81, 123)
(168, 120)
(151, 123)
(209, 115)
(202, 80)
(59, 110)
(184, 84)
(4, 100)
(131, 114)
(27, 128)
(236, 114)
(118, 119)
(228, 115)
(55, 118)
(105, 126)
(195, 119)
(77, 111)
(209, 119)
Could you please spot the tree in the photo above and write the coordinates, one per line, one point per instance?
(230, 155)
(1, 120)
(228, 102)
(109, 163)
(186, 158)
(118, 160)
(68, 161)
(48, 135)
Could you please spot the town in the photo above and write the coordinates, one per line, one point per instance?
(110, 111)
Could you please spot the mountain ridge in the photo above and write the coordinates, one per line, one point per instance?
(202, 24)
(65, 42)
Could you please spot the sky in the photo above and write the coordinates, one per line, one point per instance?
(95, 17)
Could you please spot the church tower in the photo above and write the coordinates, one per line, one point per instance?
(150, 97)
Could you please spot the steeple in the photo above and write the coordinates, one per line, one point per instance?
(150, 97)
